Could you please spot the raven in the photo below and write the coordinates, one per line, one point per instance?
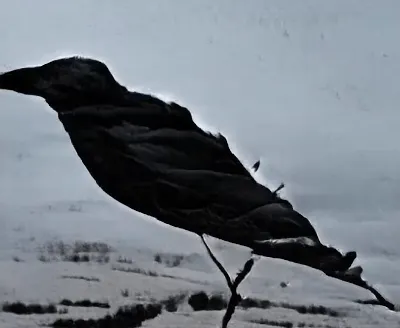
(152, 157)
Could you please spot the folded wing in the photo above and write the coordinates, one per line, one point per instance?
(154, 159)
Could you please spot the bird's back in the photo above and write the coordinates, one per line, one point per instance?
(152, 157)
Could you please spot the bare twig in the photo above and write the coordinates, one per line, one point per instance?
(281, 186)
(256, 166)
(218, 264)
(380, 298)
(235, 298)
(358, 281)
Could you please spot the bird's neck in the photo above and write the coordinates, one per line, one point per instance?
(67, 104)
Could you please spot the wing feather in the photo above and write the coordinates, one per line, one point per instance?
(183, 176)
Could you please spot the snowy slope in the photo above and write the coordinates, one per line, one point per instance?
(29, 278)
(311, 87)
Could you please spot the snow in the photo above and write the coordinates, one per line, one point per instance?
(311, 87)
(33, 281)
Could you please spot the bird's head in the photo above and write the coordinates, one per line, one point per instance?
(63, 79)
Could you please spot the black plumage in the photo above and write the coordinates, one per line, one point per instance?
(152, 157)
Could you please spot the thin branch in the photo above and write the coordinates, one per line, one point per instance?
(244, 272)
(380, 298)
(235, 298)
(218, 264)
(256, 165)
(358, 281)
(281, 186)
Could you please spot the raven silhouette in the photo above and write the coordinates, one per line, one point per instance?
(152, 157)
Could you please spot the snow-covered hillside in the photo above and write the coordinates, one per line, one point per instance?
(46, 273)
(311, 87)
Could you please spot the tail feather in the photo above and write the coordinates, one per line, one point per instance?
(306, 251)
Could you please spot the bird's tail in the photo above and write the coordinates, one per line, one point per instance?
(306, 251)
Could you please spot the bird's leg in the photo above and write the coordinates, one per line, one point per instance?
(235, 298)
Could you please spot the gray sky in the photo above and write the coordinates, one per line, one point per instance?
(311, 87)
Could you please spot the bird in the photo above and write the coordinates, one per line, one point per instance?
(151, 156)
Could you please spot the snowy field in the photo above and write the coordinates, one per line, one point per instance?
(311, 87)
(36, 271)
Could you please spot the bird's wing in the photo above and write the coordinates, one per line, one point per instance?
(174, 172)
(158, 162)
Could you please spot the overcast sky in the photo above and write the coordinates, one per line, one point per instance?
(311, 87)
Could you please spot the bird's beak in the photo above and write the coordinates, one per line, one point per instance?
(22, 80)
